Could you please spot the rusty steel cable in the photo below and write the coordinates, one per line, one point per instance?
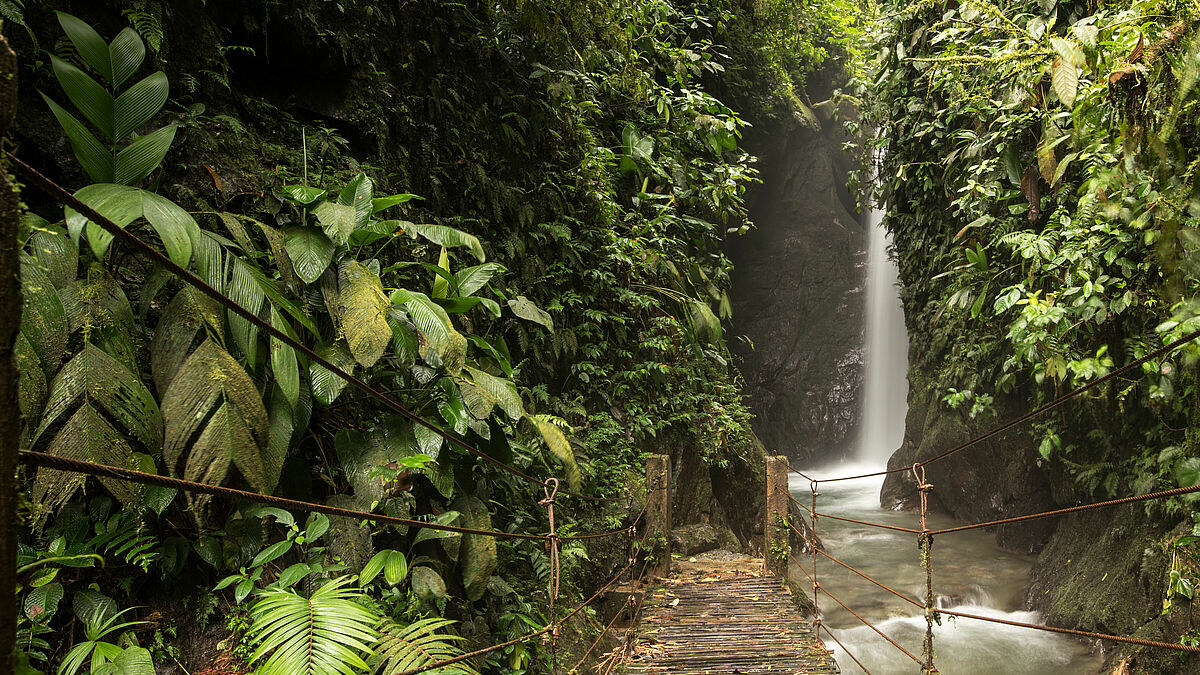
(872, 627)
(865, 522)
(860, 573)
(1073, 509)
(529, 636)
(845, 649)
(61, 195)
(77, 466)
(797, 503)
(102, 470)
(555, 570)
(816, 587)
(1161, 351)
(1079, 633)
(603, 632)
(925, 543)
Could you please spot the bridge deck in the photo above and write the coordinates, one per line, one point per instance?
(725, 622)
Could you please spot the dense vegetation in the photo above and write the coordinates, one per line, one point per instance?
(508, 216)
(1039, 162)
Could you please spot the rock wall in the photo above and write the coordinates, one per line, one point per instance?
(798, 293)
(993, 479)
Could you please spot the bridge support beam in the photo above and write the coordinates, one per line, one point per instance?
(658, 515)
(775, 529)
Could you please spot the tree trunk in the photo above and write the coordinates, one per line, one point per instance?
(10, 412)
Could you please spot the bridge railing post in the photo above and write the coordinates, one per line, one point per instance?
(775, 529)
(658, 515)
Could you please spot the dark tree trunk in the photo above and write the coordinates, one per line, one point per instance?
(10, 412)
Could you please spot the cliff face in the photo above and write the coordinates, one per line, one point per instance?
(798, 294)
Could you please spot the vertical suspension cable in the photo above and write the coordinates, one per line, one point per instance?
(925, 543)
(812, 545)
(551, 489)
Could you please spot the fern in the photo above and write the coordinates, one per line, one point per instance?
(325, 634)
(146, 26)
(401, 648)
(122, 535)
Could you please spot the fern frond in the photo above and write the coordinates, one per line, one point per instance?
(146, 26)
(325, 634)
(418, 644)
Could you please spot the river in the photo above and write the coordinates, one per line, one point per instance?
(970, 574)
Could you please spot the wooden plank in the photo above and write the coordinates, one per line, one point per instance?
(723, 623)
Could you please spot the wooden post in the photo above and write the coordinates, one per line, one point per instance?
(10, 411)
(775, 530)
(658, 515)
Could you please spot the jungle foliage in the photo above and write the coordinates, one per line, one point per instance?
(542, 276)
(1039, 165)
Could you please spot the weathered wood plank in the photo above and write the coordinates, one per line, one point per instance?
(725, 623)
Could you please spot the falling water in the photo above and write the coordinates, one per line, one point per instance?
(973, 576)
(886, 352)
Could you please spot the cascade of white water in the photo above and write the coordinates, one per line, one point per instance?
(886, 353)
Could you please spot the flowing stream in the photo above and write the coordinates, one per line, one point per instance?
(970, 573)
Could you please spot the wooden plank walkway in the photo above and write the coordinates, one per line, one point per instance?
(715, 622)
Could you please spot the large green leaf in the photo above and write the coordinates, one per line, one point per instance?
(87, 436)
(44, 322)
(337, 220)
(186, 315)
(283, 361)
(357, 194)
(31, 382)
(326, 386)
(401, 648)
(310, 250)
(91, 99)
(133, 163)
(476, 553)
(215, 420)
(93, 377)
(428, 584)
(96, 160)
(440, 235)
(560, 447)
(502, 389)
(126, 52)
(434, 325)
(123, 204)
(56, 255)
(363, 310)
(88, 43)
(526, 309)
(326, 634)
(244, 289)
(137, 104)
(474, 278)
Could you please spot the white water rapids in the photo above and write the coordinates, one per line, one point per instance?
(970, 573)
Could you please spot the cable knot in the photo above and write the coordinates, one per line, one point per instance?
(550, 487)
(918, 472)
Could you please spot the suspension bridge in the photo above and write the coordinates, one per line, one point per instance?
(743, 618)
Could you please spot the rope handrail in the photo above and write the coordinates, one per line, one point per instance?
(860, 573)
(1071, 631)
(870, 625)
(884, 526)
(1073, 509)
(845, 649)
(554, 626)
(92, 469)
(1074, 393)
(61, 195)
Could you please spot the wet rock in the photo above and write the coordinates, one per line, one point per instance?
(698, 538)
(996, 478)
(797, 294)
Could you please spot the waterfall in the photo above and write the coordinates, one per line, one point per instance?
(886, 353)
